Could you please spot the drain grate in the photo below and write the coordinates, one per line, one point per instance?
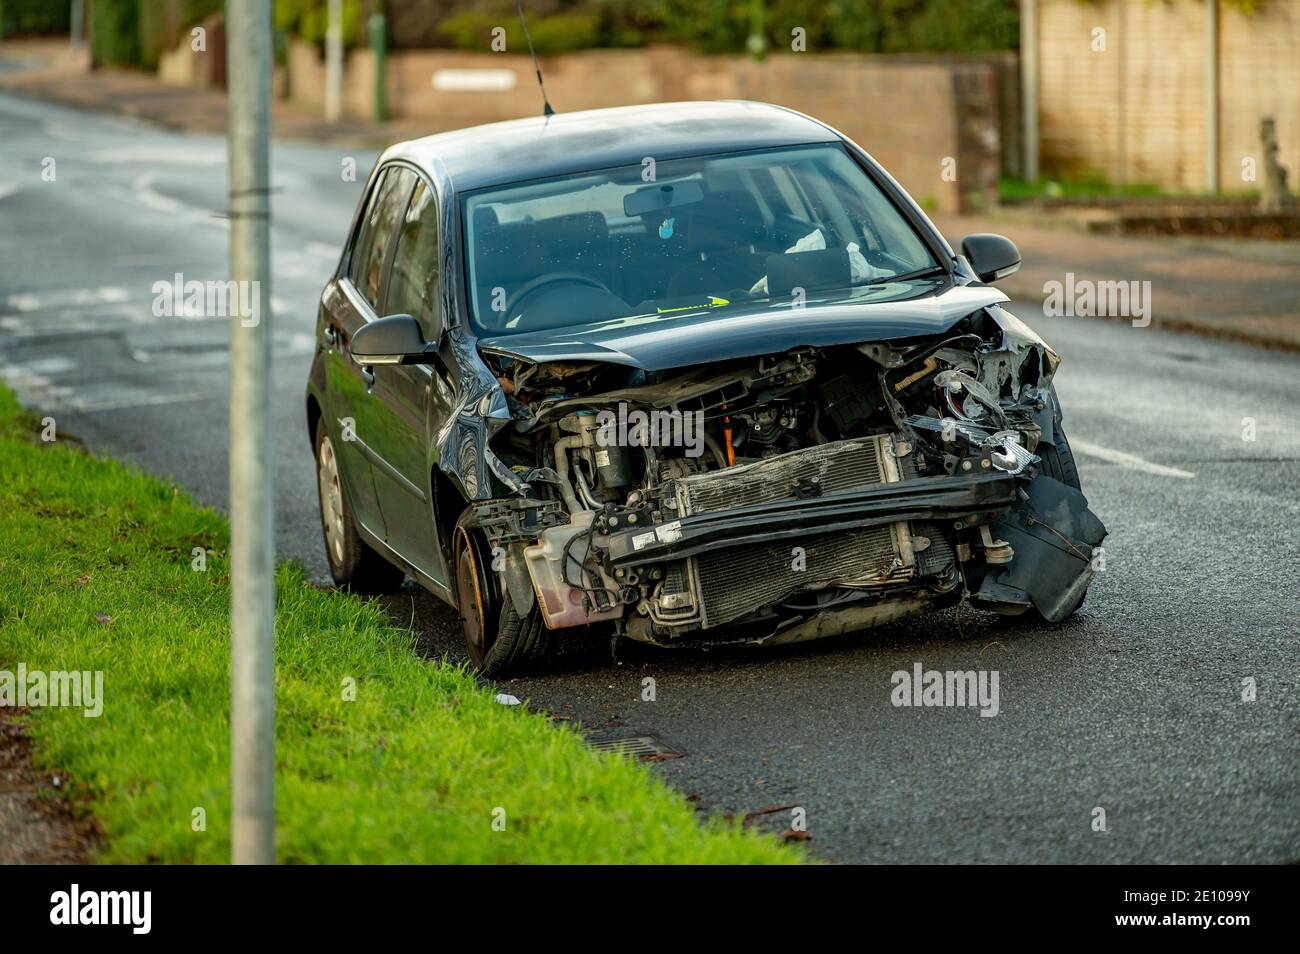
(646, 748)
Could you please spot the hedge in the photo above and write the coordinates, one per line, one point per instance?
(115, 32)
(134, 32)
(34, 17)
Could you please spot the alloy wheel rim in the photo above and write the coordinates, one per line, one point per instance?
(471, 601)
(331, 502)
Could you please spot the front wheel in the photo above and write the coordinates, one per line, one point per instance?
(500, 641)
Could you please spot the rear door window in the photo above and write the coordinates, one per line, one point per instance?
(413, 281)
(387, 203)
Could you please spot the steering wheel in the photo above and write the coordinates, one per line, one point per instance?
(532, 285)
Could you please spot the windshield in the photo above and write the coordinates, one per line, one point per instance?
(659, 239)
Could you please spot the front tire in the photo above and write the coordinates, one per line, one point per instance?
(353, 563)
(500, 641)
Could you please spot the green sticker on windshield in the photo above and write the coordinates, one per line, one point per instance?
(713, 302)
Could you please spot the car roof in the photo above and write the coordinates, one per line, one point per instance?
(567, 143)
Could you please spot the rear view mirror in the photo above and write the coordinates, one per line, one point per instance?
(396, 339)
(991, 256)
(656, 198)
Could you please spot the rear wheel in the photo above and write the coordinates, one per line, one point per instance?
(353, 563)
(499, 639)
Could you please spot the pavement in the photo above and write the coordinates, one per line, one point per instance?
(51, 70)
(1169, 702)
(36, 826)
(1240, 289)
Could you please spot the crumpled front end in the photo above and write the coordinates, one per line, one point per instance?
(791, 496)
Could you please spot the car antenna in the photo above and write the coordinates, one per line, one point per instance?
(546, 103)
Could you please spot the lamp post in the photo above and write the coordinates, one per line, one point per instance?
(252, 552)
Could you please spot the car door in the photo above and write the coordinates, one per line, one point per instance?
(409, 401)
(348, 304)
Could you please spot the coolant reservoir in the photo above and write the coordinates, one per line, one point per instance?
(561, 602)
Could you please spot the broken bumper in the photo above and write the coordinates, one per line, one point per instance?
(921, 499)
(853, 538)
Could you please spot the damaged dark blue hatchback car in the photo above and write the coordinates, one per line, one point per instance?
(692, 373)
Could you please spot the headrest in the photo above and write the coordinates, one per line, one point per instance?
(485, 217)
(727, 219)
(578, 228)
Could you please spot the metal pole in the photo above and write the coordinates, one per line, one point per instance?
(379, 44)
(252, 555)
(756, 42)
(1121, 92)
(78, 19)
(334, 62)
(1029, 85)
(1212, 95)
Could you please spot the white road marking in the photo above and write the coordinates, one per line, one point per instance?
(143, 188)
(68, 297)
(22, 378)
(124, 261)
(7, 190)
(1127, 460)
(66, 133)
(151, 198)
(82, 406)
(44, 366)
(155, 154)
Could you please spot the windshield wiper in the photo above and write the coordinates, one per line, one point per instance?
(909, 276)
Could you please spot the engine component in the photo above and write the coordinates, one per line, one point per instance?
(735, 581)
(674, 599)
(609, 456)
(517, 518)
(739, 580)
(843, 465)
(570, 591)
(845, 403)
(966, 398)
(996, 552)
(1005, 449)
(1007, 454)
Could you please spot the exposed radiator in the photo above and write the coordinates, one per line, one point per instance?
(739, 580)
(842, 465)
(735, 581)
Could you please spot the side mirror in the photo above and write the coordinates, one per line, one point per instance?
(396, 339)
(991, 256)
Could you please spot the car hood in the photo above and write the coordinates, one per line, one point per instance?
(675, 340)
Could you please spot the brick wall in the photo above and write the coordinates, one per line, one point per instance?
(1136, 112)
(1259, 75)
(909, 113)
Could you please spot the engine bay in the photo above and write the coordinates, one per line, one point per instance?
(781, 497)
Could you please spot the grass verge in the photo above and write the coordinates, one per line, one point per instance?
(96, 574)
(1094, 187)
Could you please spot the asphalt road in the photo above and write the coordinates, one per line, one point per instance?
(1135, 706)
